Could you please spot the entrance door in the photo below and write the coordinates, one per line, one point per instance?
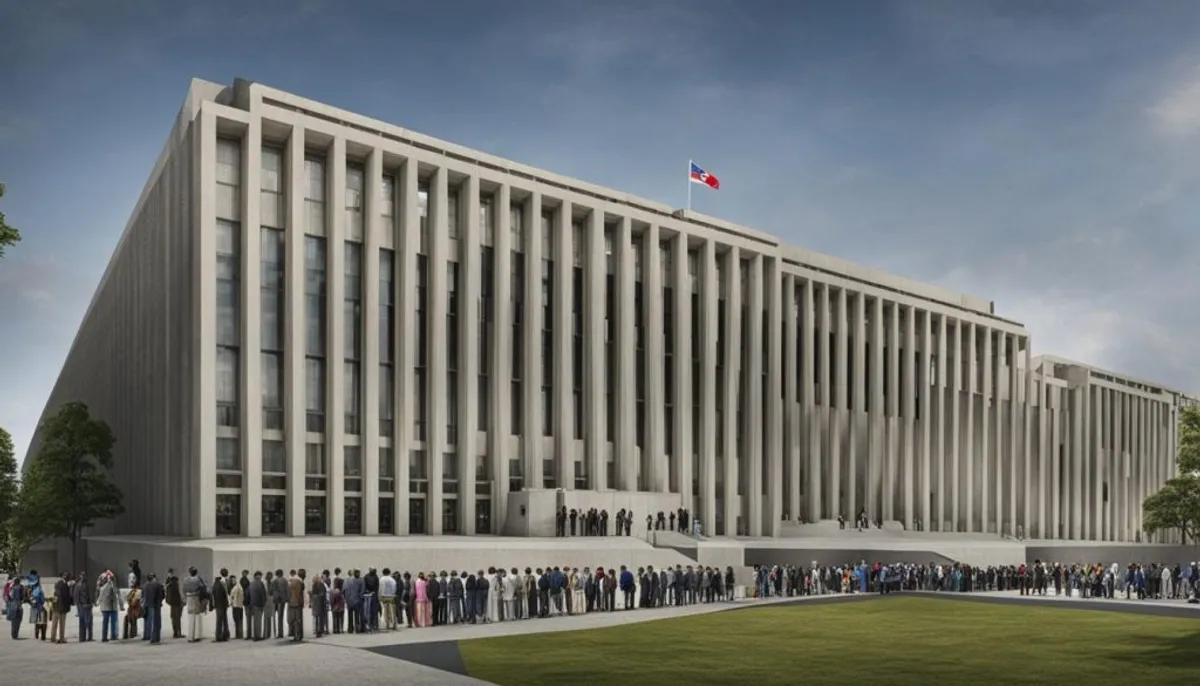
(416, 516)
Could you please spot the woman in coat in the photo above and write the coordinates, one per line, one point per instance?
(134, 600)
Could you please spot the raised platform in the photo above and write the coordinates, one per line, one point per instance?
(410, 553)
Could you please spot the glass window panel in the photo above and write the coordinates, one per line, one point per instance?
(227, 375)
(314, 384)
(314, 175)
(314, 459)
(229, 455)
(272, 168)
(229, 161)
(229, 514)
(388, 195)
(352, 461)
(274, 457)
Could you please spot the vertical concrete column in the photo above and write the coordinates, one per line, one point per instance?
(1014, 421)
(733, 357)
(839, 412)
(500, 428)
(808, 410)
(469, 294)
(595, 381)
(1078, 412)
(954, 371)
(293, 363)
(968, 453)
(1027, 440)
(335, 348)
(1057, 450)
(408, 243)
(204, 511)
(859, 444)
(654, 444)
(752, 411)
(1042, 462)
(682, 358)
(908, 395)
(710, 290)
(1122, 479)
(985, 442)
(564, 382)
(626, 443)
(774, 410)
(877, 421)
(372, 211)
(1102, 470)
(250, 399)
(1000, 391)
(925, 393)
(439, 258)
(894, 392)
(939, 440)
(791, 447)
(824, 378)
(531, 369)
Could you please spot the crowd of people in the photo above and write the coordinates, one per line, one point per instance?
(595, 522)
(1154, 581)
(263, 605)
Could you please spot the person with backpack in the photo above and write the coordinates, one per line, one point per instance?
(14, 601)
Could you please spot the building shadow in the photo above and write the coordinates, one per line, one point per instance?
(1175, 652)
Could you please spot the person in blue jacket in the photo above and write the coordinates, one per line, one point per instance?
(627, 586)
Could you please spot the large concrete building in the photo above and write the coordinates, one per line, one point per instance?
(319, 324)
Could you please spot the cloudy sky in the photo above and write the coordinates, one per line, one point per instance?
(1038, 154)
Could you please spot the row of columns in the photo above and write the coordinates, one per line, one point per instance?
(965, 438)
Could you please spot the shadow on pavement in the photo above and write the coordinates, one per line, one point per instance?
(443, 655)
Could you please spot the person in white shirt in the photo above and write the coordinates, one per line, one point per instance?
(493, 596)
(387, 598)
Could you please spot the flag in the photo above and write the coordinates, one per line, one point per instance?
(700, 176)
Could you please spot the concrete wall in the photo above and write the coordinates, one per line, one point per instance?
(130, 360)
(1108, 554)
(413, 555)
(806, 556)
(531, 512)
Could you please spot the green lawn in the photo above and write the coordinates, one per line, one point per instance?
(893, 641)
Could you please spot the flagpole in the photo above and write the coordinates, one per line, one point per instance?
(689, 186)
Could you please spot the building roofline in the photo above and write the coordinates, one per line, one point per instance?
(802, 256)
(1056, 359)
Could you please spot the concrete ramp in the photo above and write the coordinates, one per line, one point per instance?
(886, 546)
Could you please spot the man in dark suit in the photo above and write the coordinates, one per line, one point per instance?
(153, 596)
(220, 605)
(280, 592)
(256, 601)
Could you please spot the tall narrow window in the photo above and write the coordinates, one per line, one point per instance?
(314, 195)
(352, 340)
(314, 306)
(227, 324)
(272, 297)
(354, 202)
(387, 338)
(452, 345)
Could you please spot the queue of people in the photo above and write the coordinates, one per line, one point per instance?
(264, 605)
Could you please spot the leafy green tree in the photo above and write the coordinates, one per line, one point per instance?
(1176, 506)
(8, 234)
(68, 486)
(1189, 440)
(8, 478)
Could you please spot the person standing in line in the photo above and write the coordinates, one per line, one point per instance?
(281, 595)
(83, 607)
(129, 628)
(295, 606)
(152, 602)
(268, 604)
(387, 599)
(237, 603)
(174, 599)
(256, 601)
(62, 606)
(195, 592)
(109, 600)
(220, 605)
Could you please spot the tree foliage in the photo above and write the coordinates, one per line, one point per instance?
(1176, 506)
(8, 234)
(1189, 440)
(68, 486)
(8, 478)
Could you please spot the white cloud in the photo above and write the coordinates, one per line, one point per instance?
(1177, 112)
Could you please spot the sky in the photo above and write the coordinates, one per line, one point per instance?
(1037, 154)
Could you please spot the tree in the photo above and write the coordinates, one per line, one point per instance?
(9, 490)
(68, 486)
(1176, 506)
(1189, 440)
(8, 234)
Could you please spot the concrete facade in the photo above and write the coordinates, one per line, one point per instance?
(319, 324)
